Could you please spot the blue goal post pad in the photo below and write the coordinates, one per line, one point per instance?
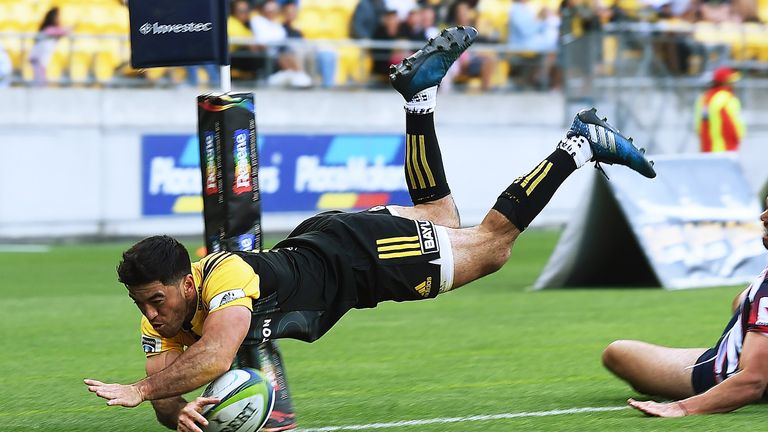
(178, 32)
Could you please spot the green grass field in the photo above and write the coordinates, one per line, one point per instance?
(492, 347)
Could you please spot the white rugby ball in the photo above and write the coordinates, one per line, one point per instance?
(247, 398)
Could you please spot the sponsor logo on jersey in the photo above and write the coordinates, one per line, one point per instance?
(425, 287)
(151, 344)
(242, 162)
(762, 312)
(225, 297)
(427, 237)
(211, 182)
(266, 330)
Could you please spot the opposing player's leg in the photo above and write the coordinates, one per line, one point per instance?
(483, 249)
(654, 370)
(417, 78)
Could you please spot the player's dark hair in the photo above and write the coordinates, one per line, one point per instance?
(156, 258)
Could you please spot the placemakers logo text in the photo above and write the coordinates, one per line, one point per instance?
(158, 28)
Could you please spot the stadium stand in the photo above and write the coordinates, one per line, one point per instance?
(97, 51)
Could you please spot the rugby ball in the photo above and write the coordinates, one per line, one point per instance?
(247, 398)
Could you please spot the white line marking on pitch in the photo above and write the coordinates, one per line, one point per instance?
(405, 423)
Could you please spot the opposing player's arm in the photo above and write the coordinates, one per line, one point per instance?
(743, 388)
(167, 410)
(205, 360)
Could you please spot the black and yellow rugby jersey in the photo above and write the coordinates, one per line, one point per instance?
(223, 280)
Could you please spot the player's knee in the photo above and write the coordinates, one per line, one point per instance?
(442, 212)
(497, 259)
(613, 356)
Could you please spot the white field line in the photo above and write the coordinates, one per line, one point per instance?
(443, 420)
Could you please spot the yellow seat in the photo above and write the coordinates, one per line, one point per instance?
(762, 10)
(20, 16)
(14, 47)
(310, 22)
(116, 21)
(336, 24)
(56, 67)
(83, 53)
(106, 60)
(493, 17)
(353, 64)
(73, 15)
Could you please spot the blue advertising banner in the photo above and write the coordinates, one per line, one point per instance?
(695, 225)
(297, 173)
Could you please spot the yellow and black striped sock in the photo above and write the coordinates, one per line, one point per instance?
(424, 172)
(524, 199)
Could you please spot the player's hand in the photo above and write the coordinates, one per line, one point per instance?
(190, 415)
(116, 394)
(656, 409)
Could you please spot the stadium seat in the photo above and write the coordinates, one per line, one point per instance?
(83, 53)
(73, 15)
(354, 65)
(116, 21)
(734, 36)
(755, 41)
(324, 20)
(107, 59)
(14, 48)
(58, 64)
(493, 18)
(762, 10)
(20, 16)
(310, 22)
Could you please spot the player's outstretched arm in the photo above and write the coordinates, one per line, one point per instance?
(743, 388)
(204, 361)
(166, 410)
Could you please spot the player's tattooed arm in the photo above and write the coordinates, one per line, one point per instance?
(205, 360)
(166, 410)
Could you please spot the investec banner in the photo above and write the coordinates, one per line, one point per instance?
(297, 173)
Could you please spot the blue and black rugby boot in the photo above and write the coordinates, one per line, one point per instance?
(427, 66)
(608, 144)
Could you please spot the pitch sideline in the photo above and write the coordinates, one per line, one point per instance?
(443, 420)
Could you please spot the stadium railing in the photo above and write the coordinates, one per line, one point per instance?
(629, 50)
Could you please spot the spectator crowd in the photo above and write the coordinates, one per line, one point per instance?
(522, 43)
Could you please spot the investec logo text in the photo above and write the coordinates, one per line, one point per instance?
(158, 28)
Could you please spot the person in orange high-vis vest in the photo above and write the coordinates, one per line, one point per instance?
(718, 114)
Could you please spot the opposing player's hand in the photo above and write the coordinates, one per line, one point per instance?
(656, 409)
(116, 394)
(190, 416)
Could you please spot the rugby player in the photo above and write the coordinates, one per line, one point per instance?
(699, 380)
(196, 317)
